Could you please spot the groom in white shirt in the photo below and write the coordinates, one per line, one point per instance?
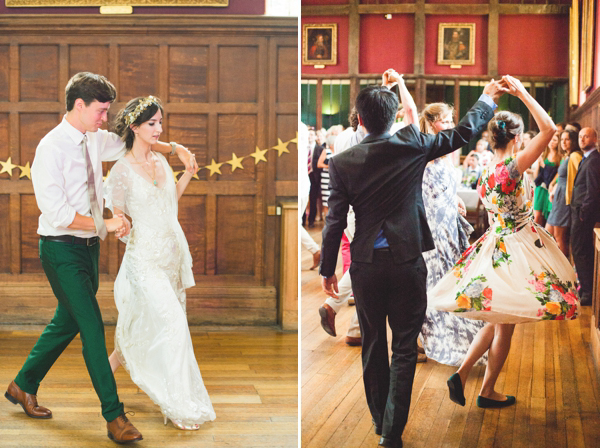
(67, 181)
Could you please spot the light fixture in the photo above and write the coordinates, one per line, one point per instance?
(388, 16)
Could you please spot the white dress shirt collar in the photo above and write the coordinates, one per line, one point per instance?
(71, 131)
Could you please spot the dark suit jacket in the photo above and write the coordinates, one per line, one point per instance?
(381, 178)
(586, 189)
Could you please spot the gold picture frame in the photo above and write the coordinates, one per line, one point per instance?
(69, 3)
(319, 44)
(456, 44)
(574, 54)
(587, 45)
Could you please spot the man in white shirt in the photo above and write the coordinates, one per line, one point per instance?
(67, 181)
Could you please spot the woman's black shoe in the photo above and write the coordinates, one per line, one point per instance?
(456, 390)
(483, 402)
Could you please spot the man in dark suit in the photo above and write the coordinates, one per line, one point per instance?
(381, 178)
(585, 212)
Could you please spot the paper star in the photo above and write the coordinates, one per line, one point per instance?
(259, 155)
(235, 162)
(25, 171)
(281, 147)
(195, 176)
(7, 167)
(294, 140)
(175, 174)
(214, 167)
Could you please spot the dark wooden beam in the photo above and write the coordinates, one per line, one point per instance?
(319, 111)
(353, 38)
(406, 8)
(353, 48)
(533, 9)
(419, 57)
(456, 101)
(493, 17)
(325, 10)
(408, 76)
(479, 10)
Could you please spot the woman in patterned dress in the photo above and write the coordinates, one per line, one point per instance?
(445, 336)
(515, 272)
(559, 220)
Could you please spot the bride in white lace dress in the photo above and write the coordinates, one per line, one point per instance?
(152, 338)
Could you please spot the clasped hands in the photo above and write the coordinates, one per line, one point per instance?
(391, 77)
(118, 224)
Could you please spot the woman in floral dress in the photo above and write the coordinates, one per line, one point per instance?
(515, 272)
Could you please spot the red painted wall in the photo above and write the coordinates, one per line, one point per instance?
(387, 43)
(342, 50)
(431, 45)
(533, 45)
(250, 7)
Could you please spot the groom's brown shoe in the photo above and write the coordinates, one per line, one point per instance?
(122, 431)
(28, 402)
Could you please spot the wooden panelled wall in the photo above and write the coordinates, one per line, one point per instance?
(228, 84)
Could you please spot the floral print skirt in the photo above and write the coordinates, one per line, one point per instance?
(510, 278)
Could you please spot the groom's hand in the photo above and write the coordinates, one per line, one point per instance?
(495, 89)
(330, 286)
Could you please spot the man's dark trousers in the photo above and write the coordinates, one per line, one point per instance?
(313, 195)
(582, 247)
(72, 270)
(397, 292)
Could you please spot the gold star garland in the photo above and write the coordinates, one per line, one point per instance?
(235, 162)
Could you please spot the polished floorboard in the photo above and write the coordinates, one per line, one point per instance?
(251, 375)
(549, 369)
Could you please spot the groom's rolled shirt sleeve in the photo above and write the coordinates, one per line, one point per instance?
(49, 187)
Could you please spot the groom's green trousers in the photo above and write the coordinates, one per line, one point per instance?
(72, 270)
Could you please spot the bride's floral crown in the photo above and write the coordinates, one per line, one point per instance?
(141, 107)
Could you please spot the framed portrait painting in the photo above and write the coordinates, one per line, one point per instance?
(456, 44)
(319, 44)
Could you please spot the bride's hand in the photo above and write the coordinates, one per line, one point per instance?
(515, 87)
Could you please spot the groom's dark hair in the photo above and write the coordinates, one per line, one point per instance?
(89, 87)
(377, 107)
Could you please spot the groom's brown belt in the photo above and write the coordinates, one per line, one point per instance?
(72, 239)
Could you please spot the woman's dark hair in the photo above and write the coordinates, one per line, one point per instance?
(504, 127)
(89, 87)
(531, 134)
(574, 137)
(377, 107)
(121, 126)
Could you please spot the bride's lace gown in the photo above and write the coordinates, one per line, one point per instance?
(152, 337)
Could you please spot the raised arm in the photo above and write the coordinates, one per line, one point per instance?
(187, 158)
(390, 78)
(547, 127)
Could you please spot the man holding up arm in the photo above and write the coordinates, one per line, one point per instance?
(381, 178)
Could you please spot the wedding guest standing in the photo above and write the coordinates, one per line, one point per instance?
(585, 212)
(559, 220)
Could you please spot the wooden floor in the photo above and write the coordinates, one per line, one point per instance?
(549, 370)
(251, 375)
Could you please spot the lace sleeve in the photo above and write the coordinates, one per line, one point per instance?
(116, 188)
